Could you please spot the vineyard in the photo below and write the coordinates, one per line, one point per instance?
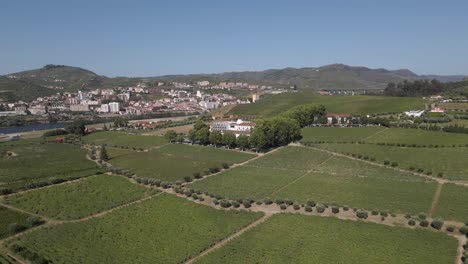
(124, 140)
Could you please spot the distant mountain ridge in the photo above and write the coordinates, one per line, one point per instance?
(56, 78)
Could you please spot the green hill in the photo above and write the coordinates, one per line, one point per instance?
(14, 90)
(276, 104)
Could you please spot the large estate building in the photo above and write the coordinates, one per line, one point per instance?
(236, 127)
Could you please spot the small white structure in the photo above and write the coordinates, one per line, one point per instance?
(114, 107)
(104, 108)
(414, 113)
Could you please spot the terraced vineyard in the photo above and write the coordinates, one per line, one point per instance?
(165, 228)
(174, 162)
(79, 199)
(290, 238)
(328, 134)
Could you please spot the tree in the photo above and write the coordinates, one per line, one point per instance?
(105, 128)
(229, 139)
(243, 142)
(103, 154)
(77, 127)
(120, 122)
(203, 136)
(216, 138)
(192, 135)
(171, 135)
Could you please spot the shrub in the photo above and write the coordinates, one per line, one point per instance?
(308, 208)
(296, 206)
(394, 164)
(384, 214)
(375, 212)
(437, 223)
(279, 201)
(424, 223)
(311, 203)
(188, 193)
(412, 222)
(429, 173)
(283, 207)
(215, 201)
(422, 216)
(450, 228)
(15, 228)
(420, 170)
(345, 208)
(225, 203)
(235, 204)
(247, 204)
(225, 166)
(382, 218)
(464, 230)
(320, 208)
(197, 175)
(411, 168)
(268, 201)
(407, 216)
(335, 209)
(5, 191)
(386, 162)
(363, 214)
(440, 175)
(372, 159)
(34, 221)
(194, 196)
(258, 202)
(187, 179)
(214, 169)
(288, 202)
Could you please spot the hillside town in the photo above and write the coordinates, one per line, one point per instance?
(198, 97)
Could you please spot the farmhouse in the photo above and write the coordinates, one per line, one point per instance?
(338, 118)
(236, 127)
(414, 113)
(437, 110)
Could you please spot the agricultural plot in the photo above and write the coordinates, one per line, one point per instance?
(335, 180)
(79, 199)
(453, 203)
(451, 162)
(163, 229)
(288, 238)
(8, 217)
(247, 182)
(368, 193)
(419, 137)
(31, 163)
(5, 260)
(175, 161)
(297, 158)
(334, 134)
(120, 139)
(277, 104)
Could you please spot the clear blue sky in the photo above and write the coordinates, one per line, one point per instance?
(150, 38)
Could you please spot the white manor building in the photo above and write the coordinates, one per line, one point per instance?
(238, 127)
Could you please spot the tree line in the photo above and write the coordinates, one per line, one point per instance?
(425, 88)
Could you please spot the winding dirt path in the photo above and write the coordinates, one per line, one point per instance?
(224, 241)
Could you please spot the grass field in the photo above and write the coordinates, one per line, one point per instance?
(5, 260)
(450, 106)
(418, 137)
(164, 229)
(453, 203)
(277, 104)
(8, 217)
(79, 199)
(332, 134)
(121, 139)
(290, 238)
(175, 161)
(433, 160)
(331, 180)
(42, 162)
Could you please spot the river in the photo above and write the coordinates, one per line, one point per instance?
(28, 128)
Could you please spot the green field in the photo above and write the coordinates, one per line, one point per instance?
(79, 199)
(175, 161)
(164, 229)
(5, 260)
(338, 180)
(8, 217)
(121, 139)
(452, 162)
(453, 203)
(297, 158)
(274, 105)
(290, 238)
(42, 162)
(332, 134)
(419, 137)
